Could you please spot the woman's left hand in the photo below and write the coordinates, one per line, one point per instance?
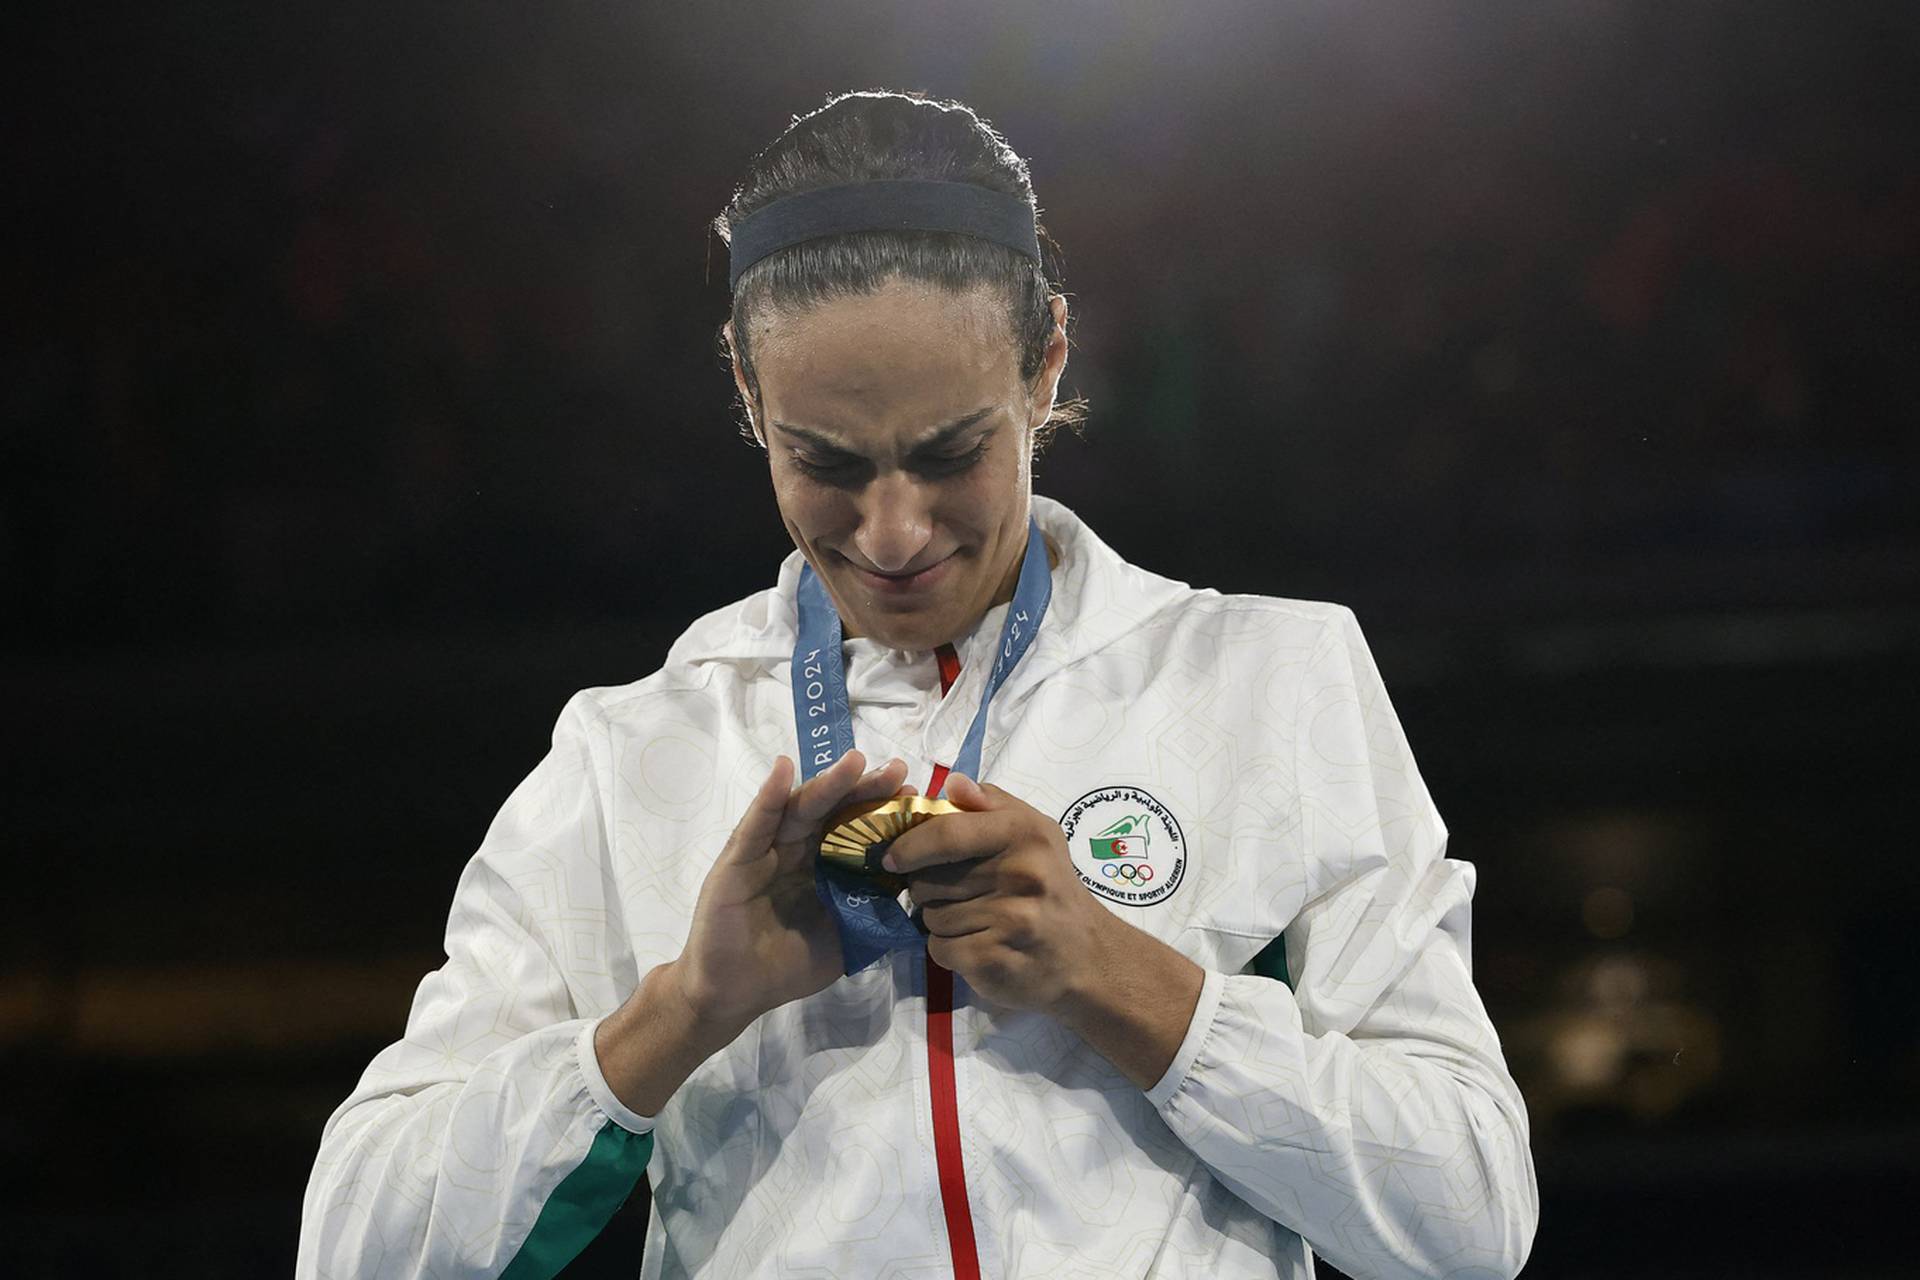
(1002, 903)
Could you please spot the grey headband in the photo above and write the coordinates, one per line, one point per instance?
(886, 205)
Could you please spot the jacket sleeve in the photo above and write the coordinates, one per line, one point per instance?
(486, 1142)
(1368, 1108)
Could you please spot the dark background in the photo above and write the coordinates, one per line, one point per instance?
(361, 403)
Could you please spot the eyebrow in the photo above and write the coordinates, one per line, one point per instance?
(933, 439)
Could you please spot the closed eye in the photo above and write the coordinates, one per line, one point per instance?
(843, 468)
(846, 469)
(947, 464)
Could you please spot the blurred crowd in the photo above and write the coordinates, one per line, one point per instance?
(344, 315)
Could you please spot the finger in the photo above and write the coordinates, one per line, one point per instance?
(972, 796)
(878, 785)
(875, 784)
(956, 919)
(756, 828)
(951, 882)
(835, 778)
(797, 839)
(832, 790)
(957, 954)
(953, 837)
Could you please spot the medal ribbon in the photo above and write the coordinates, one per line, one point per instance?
(871, 922)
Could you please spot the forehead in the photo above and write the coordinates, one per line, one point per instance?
(903, 356)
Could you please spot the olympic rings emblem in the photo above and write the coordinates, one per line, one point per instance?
(1109, 831)
(1131, 872)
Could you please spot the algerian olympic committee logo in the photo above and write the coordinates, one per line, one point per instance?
(1125, 844)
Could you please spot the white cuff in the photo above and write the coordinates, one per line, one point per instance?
(597, 1088)
(1204, 1009)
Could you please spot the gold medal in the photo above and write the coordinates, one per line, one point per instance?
(857, 837)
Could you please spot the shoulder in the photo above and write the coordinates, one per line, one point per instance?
(1237, 629)
(1206, 610)
(1109, 601)
(750, 638)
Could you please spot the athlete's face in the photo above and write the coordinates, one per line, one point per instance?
(900, 438)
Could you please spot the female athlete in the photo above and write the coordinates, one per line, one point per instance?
(1179, 982)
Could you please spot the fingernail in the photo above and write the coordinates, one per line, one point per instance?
(890, 862)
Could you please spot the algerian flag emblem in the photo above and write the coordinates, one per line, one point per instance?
(1126, 838)
(1109, 831)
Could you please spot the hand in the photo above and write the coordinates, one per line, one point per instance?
(760, 936)
(1001, 901)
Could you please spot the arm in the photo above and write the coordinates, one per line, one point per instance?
(1395, 1148)
(1371, 1113)
(499, 1135)
(487, 1141)
(1368, 1108)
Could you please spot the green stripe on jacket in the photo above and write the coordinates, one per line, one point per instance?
(583, 1203)
(1272, 962)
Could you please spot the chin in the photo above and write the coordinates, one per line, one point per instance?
(913, 622)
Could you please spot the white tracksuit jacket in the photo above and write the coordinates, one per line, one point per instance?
(1231, 762)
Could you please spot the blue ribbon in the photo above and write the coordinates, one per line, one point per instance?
(871, 922)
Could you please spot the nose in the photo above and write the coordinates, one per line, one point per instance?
(896, 522)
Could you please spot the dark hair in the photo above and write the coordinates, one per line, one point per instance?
(881, 134)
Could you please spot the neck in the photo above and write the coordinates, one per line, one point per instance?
(1010, 581)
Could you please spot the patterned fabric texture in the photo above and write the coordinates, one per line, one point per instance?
(1229, 770)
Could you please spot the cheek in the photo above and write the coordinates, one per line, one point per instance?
(811, 510)
(993, 491)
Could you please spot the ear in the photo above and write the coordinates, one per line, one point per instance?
(1046, 384)
(740, 383)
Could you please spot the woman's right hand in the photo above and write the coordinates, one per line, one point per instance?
(760, 935)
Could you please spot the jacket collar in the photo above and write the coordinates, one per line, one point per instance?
(1097, 599)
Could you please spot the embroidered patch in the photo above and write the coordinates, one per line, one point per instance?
(1125, 844)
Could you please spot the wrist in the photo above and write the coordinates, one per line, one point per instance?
(1087, 985)
(1139, 1025)
(702, 1005)
(648, 1047)
(693, 1021)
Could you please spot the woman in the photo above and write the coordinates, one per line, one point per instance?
(1185, 990)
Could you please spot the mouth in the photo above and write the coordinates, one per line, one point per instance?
(903, 584)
